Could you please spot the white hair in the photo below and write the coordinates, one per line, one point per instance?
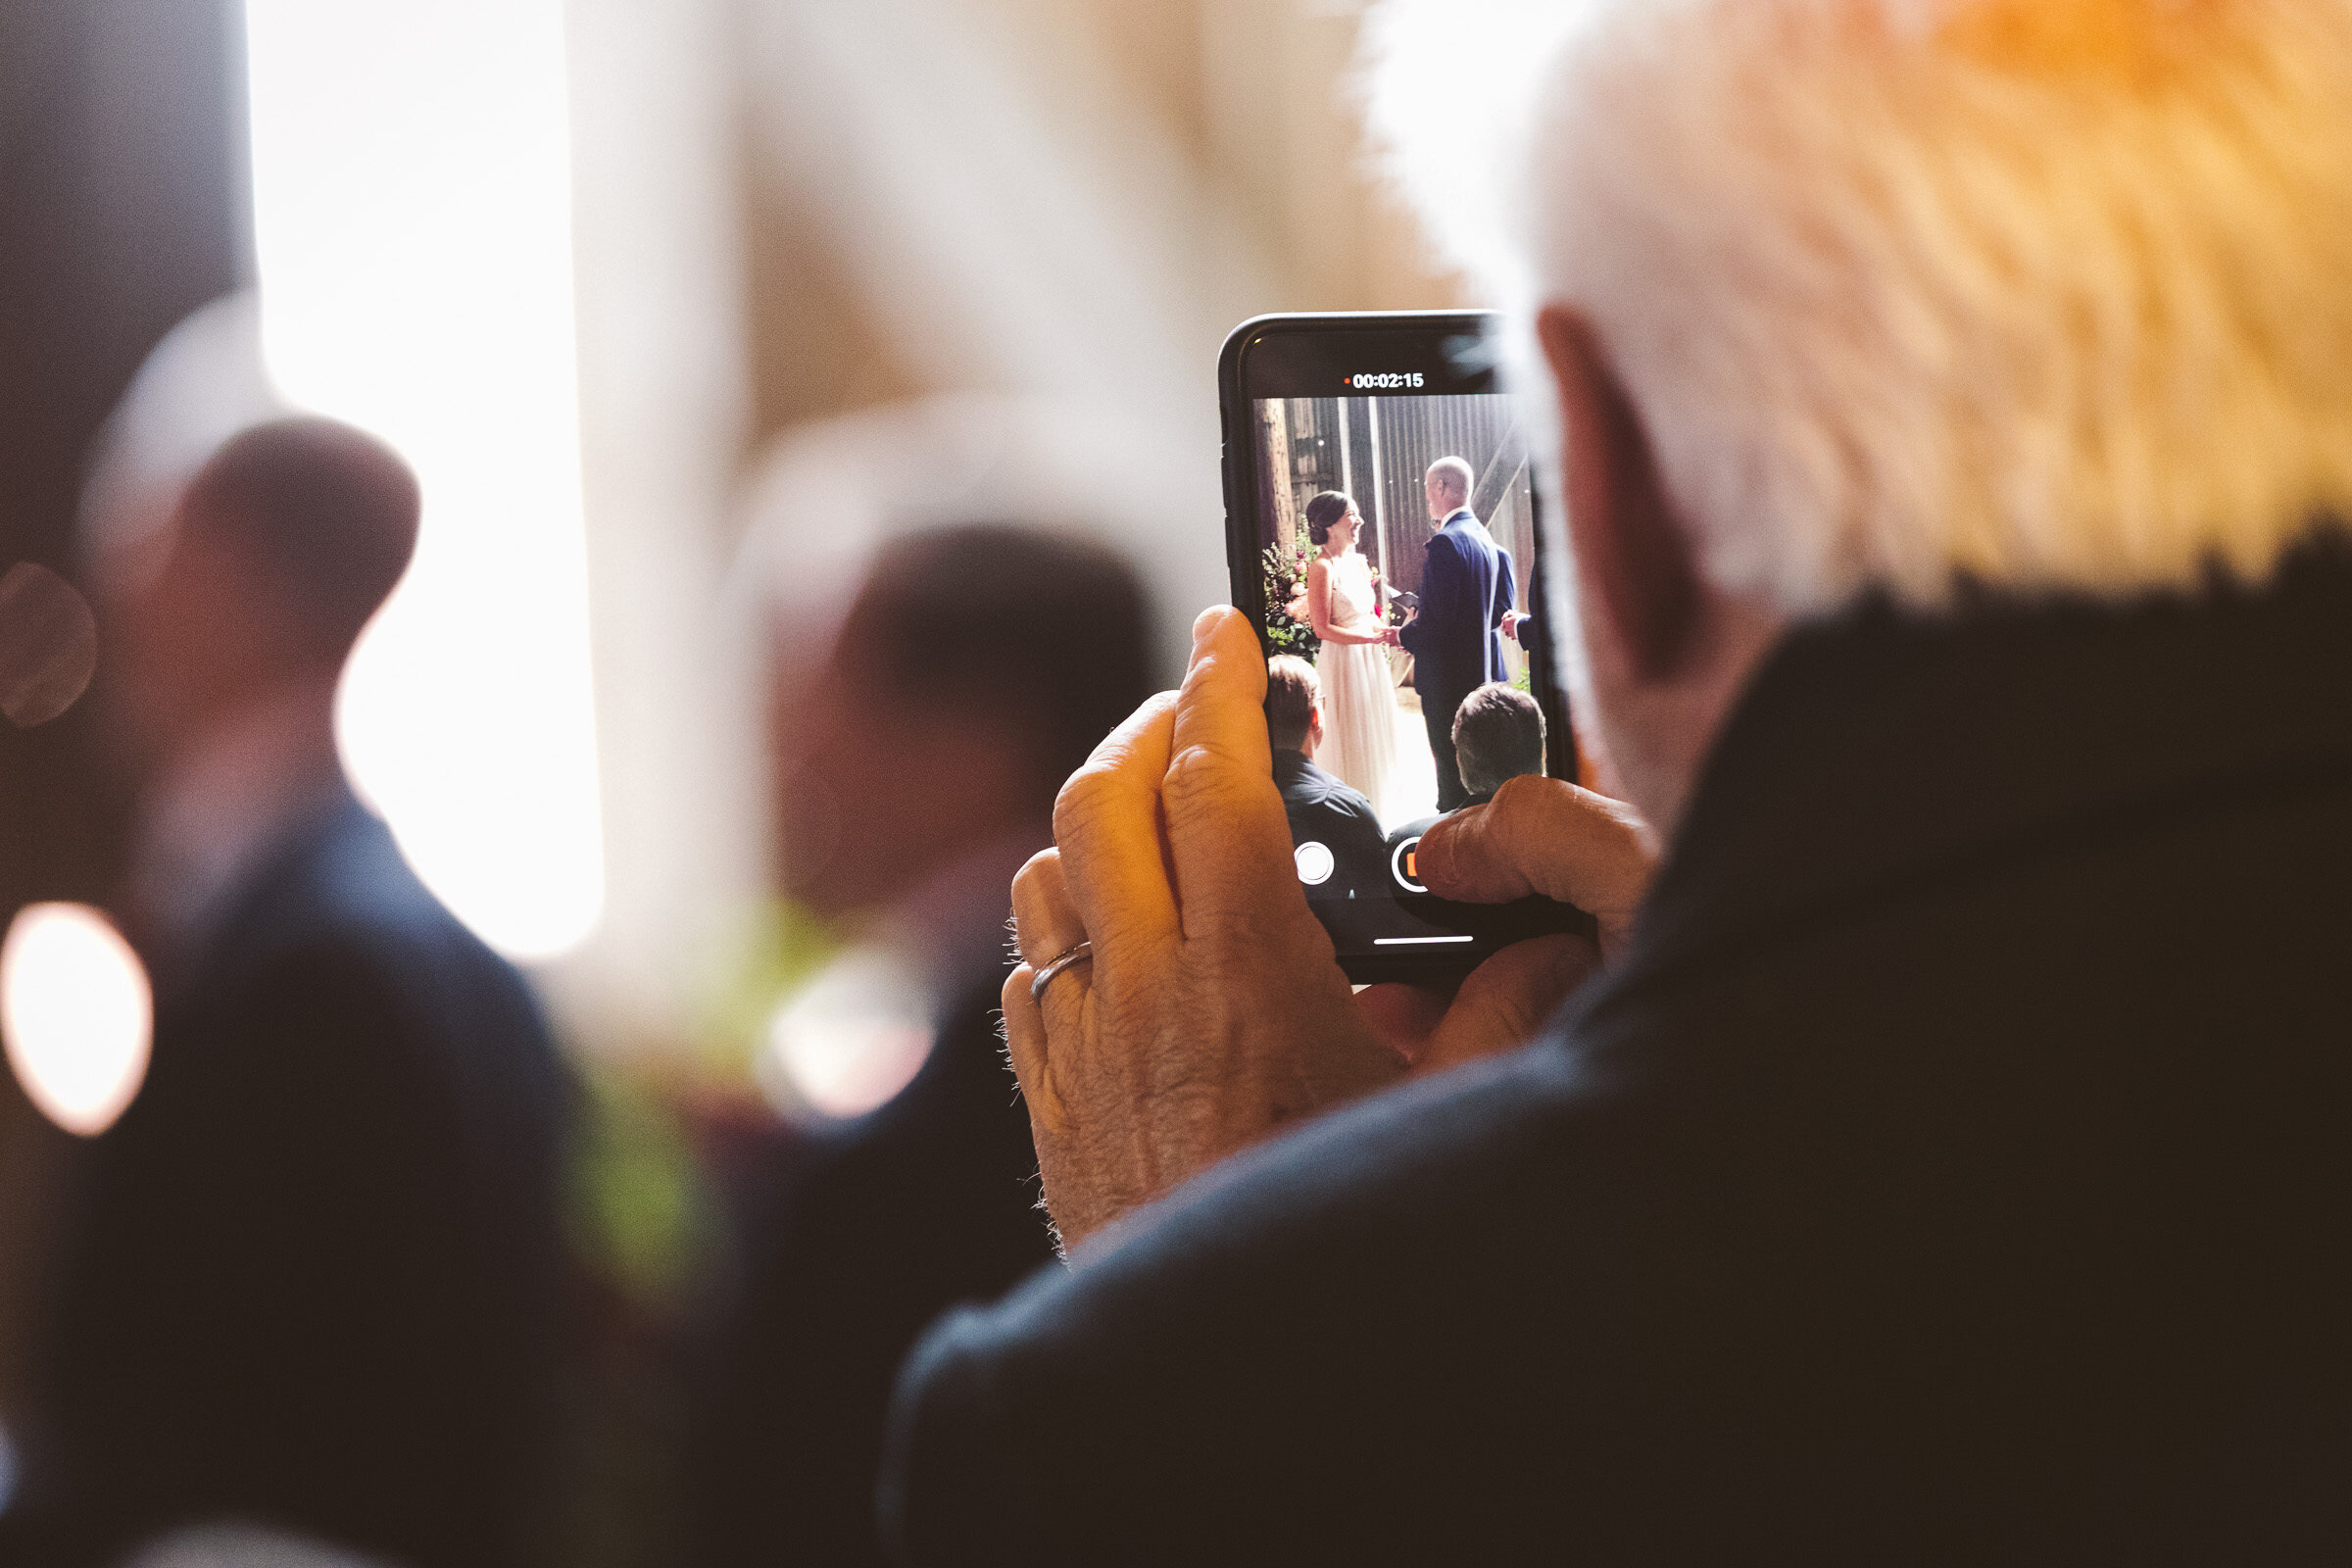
(2039, 293)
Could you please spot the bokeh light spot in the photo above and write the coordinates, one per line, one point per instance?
(48, 645)
(848, 1041)
(77, 1014)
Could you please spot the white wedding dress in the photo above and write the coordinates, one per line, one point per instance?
(1360, 692)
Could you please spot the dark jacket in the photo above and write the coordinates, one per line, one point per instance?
(929, 1201)
(1954, 1170)
(1324, 810)
(1467, 584)
(317, 1280)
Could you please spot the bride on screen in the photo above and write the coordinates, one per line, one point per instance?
(1359, 690)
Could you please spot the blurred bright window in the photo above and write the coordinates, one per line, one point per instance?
(413, 226)
(75, 1014)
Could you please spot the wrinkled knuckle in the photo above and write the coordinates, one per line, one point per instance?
(1089, 795)
(1517, 809)
(1201, 780)
(1013, 995)
(1036, 874)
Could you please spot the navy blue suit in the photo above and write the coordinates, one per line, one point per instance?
(317, 1281)
(1467, 585)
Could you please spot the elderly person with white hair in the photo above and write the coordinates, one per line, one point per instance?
(1945, 1158)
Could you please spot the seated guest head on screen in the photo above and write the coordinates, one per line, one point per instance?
(1497, 736)
(1294, 706)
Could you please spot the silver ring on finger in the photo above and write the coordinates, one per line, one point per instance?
(1083, 952)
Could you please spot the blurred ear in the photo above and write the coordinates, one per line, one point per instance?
(1628, 544)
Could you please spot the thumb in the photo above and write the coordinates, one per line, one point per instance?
(1548, 838)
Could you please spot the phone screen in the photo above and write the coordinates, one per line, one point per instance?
(1383, 531)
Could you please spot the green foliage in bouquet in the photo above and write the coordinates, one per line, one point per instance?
(1285, 581)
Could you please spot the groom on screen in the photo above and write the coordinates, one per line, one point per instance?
(1455, 637)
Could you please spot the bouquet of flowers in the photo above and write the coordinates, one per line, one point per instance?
(1289, 627)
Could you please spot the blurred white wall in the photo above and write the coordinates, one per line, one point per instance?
(655, 98)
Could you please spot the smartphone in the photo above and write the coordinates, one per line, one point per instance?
(1384, 534)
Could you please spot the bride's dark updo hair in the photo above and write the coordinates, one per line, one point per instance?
(1324, 512)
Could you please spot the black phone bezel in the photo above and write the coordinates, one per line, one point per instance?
(1300, 355)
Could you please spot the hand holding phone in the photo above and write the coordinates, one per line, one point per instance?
(1205, 1025)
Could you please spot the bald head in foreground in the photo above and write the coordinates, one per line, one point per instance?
(1942, 1157)
(314, 1286)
